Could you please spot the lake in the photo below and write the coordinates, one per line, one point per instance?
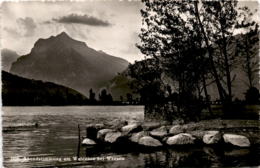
(54, 142)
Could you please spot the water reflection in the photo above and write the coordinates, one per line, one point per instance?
(179, 157)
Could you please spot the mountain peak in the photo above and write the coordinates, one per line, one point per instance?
(63, 35)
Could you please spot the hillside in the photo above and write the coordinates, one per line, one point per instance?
(63, 60)
(8, 57)
(21, 91)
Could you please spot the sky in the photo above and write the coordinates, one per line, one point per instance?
(108, 25)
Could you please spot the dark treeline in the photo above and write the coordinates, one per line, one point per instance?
(19, 91)
(105, 98)
(190, 45)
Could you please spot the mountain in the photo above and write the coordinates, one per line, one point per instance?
(63, 60)
(8, 57)
(21, 91)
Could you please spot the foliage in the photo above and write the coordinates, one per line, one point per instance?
(105, 98)
(92, 97)
(146, 81)
(252, 96)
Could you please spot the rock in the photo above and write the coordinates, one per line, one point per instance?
(136, 136)
(198, 134)
(91, 131)
(164, 139)
(178, 122)
(131, 128)
(181, 139)
(236, 140)
(102, 133)
(159, 132)
(176, 129)
(88, 141)
(112, 137)
(149, 142)
(116, 124)
(99, 126)
(150, 125)
(129, 122)
(212, 137)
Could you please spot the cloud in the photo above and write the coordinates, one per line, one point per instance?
(130, 46)
(82, 19)
(12, 32)
(27, 25)
(46, 22)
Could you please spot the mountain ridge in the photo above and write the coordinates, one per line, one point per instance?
(63, 60)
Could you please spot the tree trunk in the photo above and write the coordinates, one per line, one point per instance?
(227, 66)
(249, 71)
(206, 94)
(221, 91)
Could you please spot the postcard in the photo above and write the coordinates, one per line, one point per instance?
(130, 83)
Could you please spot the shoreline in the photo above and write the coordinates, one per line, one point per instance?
(233, 133)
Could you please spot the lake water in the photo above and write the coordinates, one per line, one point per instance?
(54, 142)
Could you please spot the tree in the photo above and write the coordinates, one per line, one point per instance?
(248, 45)
(217, 21)
(252, 95)
(92, 95)
(146, 81)
(206, 42)
(190, 42)
(121, 99)
(174, 44)
(221, 17)
(109, 99)
(129, 98)
(105, 98)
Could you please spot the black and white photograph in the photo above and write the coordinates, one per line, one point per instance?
(130, 83)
